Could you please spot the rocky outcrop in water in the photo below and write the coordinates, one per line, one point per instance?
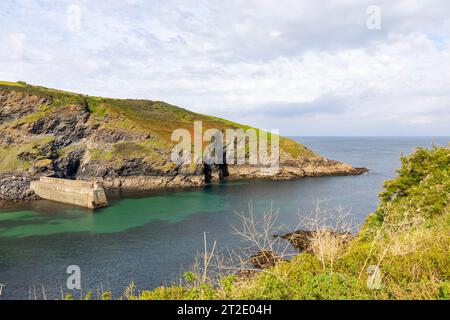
(14, 188)
(301, 239)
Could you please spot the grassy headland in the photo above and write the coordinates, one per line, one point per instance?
(157, 118)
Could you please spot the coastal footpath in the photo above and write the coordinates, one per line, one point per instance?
(123, 144)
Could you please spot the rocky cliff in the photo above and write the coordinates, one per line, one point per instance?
(123, 143)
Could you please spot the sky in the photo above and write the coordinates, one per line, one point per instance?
(333, 68)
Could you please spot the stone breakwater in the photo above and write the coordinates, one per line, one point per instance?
(80, 193)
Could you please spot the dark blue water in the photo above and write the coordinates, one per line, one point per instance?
(150, 239)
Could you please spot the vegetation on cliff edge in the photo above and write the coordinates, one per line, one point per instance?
(153, 120)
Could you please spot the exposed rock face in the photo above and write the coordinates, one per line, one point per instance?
(126, 147)
(15, 105)
(67, 167)
(16, 188)
(293, 170)
(142, 183)
(68, 126)
(113, 135)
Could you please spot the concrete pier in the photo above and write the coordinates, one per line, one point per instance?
(80, 193)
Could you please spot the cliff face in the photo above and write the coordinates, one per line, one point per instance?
(124, 143)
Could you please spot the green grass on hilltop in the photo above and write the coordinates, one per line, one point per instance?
(11, 84)
(155, 117)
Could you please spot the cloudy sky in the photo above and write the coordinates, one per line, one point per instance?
(304, 67)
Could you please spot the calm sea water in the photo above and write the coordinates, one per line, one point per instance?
(150, 239)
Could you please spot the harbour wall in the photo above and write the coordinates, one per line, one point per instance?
(76, 192)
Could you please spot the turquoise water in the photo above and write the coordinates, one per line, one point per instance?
(122, 215)
(150, 238)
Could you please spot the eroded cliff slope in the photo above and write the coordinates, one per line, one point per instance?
(124, 143)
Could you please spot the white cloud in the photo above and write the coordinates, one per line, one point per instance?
(73, 18)
(239, 59)
(16, 44)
